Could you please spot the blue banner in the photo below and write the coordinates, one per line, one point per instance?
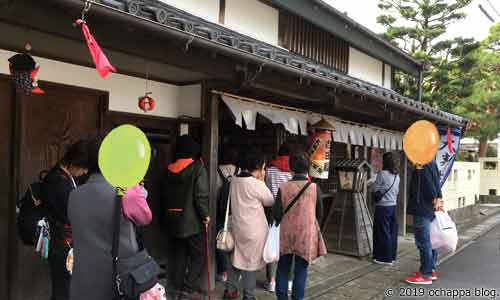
(448, 150)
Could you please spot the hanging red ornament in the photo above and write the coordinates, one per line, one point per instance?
(24, 70)
(146, 103)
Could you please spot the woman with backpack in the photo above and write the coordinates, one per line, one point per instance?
(226, 171)
(55, 192)
(385, 227)
(297, 209)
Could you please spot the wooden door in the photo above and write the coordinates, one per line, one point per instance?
(161, 136)
(6, 119)
(49, 123)
(161, 133)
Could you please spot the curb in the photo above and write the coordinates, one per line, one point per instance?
(474, 237)
(332, 283)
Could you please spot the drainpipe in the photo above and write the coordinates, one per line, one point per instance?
(420, 80)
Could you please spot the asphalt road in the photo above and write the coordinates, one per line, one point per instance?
(473, 273)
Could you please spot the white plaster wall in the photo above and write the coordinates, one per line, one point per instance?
(365, 67)
(253, 18)
(190, 97)
(206, 9)
(387, 74)
(124, 91)
(460, 185)
(490, 179)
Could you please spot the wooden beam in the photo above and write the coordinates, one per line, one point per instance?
(210, 156)
(222, 11)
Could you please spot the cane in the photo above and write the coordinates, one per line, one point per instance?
(208, 262)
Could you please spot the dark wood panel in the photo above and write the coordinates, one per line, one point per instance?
(49, 123)
(6, 207)
(307, 39)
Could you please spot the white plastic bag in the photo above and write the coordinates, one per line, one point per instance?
(272, 247)
(443, 232)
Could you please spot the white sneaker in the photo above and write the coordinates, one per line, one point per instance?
(271, 287)
(383, 263)
(290, 286)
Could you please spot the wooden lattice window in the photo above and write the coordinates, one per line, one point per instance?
(308, 40)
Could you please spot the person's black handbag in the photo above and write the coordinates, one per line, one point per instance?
(379, 195)
(132, 275)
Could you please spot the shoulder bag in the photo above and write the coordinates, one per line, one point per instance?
(225, 240)
(378, 196)
(132, 275)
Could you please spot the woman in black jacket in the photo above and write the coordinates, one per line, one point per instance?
(58, 184)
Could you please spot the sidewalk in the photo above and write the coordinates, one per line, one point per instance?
(340, 277)
(375, 279)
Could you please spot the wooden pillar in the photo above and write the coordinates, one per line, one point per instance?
(7, 211)
(210, 106)
(403, 194)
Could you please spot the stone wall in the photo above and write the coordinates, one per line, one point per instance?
(462, 214)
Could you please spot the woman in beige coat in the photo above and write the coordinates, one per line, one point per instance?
(249, 196)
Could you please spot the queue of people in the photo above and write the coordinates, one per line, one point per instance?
(283, 190)
(259, 195)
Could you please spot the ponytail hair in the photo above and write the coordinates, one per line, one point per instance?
(389, 163)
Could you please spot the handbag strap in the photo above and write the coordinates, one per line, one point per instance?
(116, 234)
(390, 188)
(228, 204)
(296, 198)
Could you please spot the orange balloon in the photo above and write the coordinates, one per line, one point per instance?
(421, 142)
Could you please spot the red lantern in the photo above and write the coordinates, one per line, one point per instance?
(146, 103)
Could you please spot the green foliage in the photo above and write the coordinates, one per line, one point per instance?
(491, 152)
(417, 26)
(482, 106)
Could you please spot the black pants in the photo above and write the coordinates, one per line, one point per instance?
(385, 234)
(188, 262)
(59, 276)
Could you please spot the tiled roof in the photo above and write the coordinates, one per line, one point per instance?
(172, 17)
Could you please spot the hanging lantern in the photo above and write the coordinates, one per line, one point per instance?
(146, 103)
(24, 70)
(319, 150)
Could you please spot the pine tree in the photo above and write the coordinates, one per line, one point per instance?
(417, 26)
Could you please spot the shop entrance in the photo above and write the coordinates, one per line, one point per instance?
(45, 126)
(161, 133)
(267, 136)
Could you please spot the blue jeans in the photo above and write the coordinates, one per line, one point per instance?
(428, 256)
(385, 234)
(299, 280)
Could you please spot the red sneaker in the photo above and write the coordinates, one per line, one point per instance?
(434, 276)
(418, 279)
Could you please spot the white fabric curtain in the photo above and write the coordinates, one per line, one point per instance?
(295, 122)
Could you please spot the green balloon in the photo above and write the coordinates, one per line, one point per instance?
(124, 156)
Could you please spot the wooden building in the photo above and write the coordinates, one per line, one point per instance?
(298, 57)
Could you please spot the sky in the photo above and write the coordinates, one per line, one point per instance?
(476, 25)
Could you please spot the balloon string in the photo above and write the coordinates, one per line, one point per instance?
(419, 183)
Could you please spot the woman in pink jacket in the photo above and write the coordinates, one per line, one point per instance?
(249, 196)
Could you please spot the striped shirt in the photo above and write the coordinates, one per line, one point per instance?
(275, 177)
